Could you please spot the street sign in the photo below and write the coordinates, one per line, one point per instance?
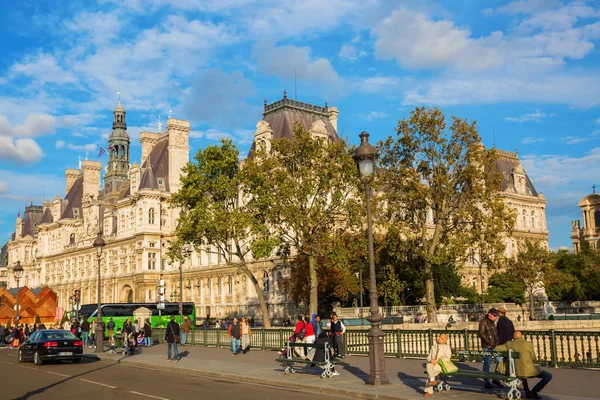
(160, 306)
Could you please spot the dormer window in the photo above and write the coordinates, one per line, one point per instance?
(161, 183)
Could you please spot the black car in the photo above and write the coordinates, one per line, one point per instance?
(51, 344)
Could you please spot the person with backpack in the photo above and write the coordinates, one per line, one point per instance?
(300, 333)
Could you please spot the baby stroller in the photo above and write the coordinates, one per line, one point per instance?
(140, 339)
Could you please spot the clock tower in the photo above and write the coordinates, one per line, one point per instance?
(118, 150)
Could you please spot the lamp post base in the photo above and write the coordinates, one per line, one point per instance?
(378, 374)
(99, 340)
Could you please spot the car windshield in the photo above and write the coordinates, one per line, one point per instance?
(58, 335)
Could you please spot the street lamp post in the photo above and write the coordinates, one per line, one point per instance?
(99, 245)
(18, 272)
(365, 156)
(359, 276)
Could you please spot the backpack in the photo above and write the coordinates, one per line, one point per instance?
(302, 334)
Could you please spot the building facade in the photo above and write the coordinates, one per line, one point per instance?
(53, 241)
(589, 230)
(520, 195)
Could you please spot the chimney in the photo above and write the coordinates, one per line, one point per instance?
(333, 113)
(148, 140)
(179, 150)
(91, 177)
(71, 176)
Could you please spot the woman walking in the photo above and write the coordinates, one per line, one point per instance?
(187, 325)
(246, 335)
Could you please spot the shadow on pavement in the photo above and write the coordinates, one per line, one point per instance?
(357, 372)
(88, 359)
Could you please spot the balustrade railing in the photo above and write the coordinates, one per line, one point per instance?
(553, 348)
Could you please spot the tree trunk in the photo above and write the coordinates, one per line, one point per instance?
(259, 293)
(430, 294)
(312, 274)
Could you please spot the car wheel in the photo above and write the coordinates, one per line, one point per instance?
(21, 359)
(77, 360)
(36, 358)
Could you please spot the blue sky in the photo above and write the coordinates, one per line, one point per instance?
(526, 71)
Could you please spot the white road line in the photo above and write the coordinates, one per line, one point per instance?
(35, 369)
(6, 362)
(148, 395)
(59, 374)
(98, 383)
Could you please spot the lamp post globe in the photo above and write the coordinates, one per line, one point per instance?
(365, 156)
(99, 246)
(18, 274)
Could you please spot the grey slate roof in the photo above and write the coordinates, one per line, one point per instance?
(73, 198)
(506, 165)
(157, 165)
(47, 218)
(282, 115)
(31, 219)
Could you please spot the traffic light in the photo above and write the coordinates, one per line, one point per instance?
(77, 296)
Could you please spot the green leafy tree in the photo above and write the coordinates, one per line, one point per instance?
(504, 287)
(305, 189)
(532, 266)
(215, 215)
(440, 184)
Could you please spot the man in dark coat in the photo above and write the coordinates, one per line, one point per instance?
(505, 327)
(171, 337)
(489, 340)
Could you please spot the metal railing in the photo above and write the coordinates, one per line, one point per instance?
(553, 348)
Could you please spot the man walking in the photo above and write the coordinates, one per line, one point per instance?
(235, 335)
(187, 326)
(85, 331)
(172, 337)
(505, 327)
(525, 365)
(489, 339)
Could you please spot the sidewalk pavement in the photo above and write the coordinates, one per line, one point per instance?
(406, 376)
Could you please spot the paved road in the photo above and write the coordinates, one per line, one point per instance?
(102, 380)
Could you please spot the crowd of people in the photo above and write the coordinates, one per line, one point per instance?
(497, 334)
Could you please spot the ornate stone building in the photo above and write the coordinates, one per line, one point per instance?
(530, 208)
(54, 241)
(590, 231)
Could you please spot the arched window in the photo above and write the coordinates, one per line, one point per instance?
(597, 219)
(208, 287)
(131, 219)
(524, 219)
(122, 151)
(533, 219)
(474, 282)
(218, 284)
(151, 216)
(72, 239)
(229, 285)
(265, 281)
(140, 217)
(199, 286)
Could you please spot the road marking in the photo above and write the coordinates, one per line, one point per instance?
(148, 395)
(35, 369)
(59, 374)
(98, 383)
(6, 362)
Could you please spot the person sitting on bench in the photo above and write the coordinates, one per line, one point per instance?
(320, 353)
(439, 351)
(525, 365)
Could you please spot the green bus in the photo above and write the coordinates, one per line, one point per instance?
(119, 312)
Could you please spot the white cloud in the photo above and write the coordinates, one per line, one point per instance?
(100, 27)
(597, 121)
(574, 140)
(89, 148)
(43, 68)
(3, 186)
(526, 6)
(417, 42)
(378, 83)
(28, 187)
(34, 125)
(575, 89)
(284, 60)
(59, 144)
(20, 150)
(348, 52)
(531, 139)
(373, 115)
(536, 116)
(196, 134)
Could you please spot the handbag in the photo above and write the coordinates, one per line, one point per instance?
(448, 367)
(176, 337)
